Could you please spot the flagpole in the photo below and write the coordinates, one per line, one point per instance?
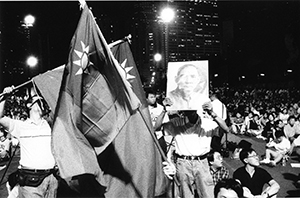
(157, 144)
(154, 138)
(118, 42)
(18, 87)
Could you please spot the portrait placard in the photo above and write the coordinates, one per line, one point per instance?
(187, 84)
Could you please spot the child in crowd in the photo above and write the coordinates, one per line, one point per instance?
(276, 149)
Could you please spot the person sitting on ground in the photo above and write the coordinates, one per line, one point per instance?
(228, 188)
(248, 118)
(269, 128)
(290, 129)
(283, 115)
(264, 118)
(255, 127)
(253, 177)
(217, 170)
(238, 124)
(295, 145)
(276, 149)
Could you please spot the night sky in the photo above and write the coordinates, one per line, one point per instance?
(260, 43)
(55, 22)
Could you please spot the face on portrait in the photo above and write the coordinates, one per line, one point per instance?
(187, 84)
(188, 79)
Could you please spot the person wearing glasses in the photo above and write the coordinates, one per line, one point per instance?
(253, 178)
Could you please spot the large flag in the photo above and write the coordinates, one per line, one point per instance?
(100, 127)
(134, 144)
(49, 85)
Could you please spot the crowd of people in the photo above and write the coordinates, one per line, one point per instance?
(268, 114)
(187, 139)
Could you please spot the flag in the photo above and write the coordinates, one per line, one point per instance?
(94, 102)
(98, 119)
(50, 93)
(134, 144)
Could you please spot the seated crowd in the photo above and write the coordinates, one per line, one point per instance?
(272, 115)
(263, 113)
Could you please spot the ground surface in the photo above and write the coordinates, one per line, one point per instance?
(285, 176)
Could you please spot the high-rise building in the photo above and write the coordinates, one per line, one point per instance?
(194, 34)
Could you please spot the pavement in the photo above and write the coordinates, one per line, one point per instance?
(286, 176)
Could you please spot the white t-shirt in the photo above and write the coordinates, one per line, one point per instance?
(192, 140)
(220, 109)
(281, 147)
(35, 143)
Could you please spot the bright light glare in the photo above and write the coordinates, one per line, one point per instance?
(32, 61)
(289, 71)
(167, 15)
(157, 57)
(29, 20)
(216, 75)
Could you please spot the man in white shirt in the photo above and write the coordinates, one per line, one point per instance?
(218, 107)
(192, 136)
(36, 160)
(221, 110)
(157, 110)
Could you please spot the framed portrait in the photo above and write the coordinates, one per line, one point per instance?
(187, 84)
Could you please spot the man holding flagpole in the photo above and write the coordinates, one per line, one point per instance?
(101, 128)
(37, 164)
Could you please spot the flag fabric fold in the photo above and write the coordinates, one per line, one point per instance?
(100, 126)
(94, 101)
(134, 144)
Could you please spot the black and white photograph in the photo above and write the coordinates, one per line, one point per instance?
(150, 99)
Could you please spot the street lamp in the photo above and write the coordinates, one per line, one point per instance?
(29, 21)
(27, 24)
(157, 57)
(167, 15)
(31, 62)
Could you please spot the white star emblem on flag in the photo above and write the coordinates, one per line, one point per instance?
(127, 69)
(83, 61)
